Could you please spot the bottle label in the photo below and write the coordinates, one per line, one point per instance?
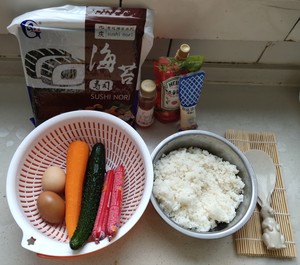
(169, 94)
(144, 118)
(188, 118)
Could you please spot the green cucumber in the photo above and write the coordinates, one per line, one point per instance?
(91, 194)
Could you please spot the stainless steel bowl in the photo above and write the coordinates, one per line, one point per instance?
(221, 147)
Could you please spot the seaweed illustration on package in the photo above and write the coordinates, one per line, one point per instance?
(34, 59)
(54, 67)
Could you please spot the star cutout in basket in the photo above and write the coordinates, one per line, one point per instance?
(31, 241)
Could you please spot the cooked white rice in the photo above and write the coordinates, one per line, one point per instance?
(196, 189)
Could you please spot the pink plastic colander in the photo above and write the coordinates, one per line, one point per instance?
(47, 145)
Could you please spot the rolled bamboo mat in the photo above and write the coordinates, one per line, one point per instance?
(248, 239)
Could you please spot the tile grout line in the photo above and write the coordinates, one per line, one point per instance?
(286, 38)
(169, 47)
(269, 43)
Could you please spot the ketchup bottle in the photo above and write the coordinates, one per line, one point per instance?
(167, 71)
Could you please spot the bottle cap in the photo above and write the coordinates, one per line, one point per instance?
(148, 88)
(183, 52)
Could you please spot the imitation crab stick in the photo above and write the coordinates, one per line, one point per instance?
(76, 163)
(99, 230)
(113, 222)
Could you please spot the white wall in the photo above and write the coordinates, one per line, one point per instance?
(259, 20)
(224, 31)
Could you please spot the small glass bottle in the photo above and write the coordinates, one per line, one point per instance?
(183, 52)
(147, 95)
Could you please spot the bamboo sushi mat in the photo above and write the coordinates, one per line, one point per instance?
(248, 240)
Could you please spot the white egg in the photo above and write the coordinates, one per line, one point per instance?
(54, 179)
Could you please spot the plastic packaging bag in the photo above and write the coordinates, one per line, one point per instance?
(78, 57)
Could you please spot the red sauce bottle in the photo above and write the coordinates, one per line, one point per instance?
(167, 71)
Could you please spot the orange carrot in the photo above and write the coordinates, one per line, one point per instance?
(76, 164)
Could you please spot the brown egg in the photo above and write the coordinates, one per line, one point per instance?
(51, 207)
(54, 179)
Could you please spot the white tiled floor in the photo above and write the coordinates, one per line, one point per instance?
(151, 241)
